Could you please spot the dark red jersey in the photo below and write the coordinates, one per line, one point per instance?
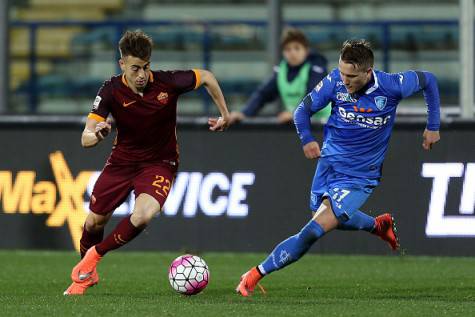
(146, 126)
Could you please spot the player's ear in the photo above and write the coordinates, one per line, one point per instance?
(369, 72)
(122, 64)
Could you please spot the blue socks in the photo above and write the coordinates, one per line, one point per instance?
(292, 249)
(358, 221)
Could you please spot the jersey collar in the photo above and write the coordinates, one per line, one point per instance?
(375, 86)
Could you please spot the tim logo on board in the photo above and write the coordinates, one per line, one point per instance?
(438, 223)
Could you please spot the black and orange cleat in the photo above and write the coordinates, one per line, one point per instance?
(248, 282)
(385, 228)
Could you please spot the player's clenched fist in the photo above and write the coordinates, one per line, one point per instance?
(430, 138)
(103, 129)
(311, 150)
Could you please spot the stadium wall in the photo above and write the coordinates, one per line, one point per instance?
(243, 190)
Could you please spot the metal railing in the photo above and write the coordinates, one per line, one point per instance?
(206, 40)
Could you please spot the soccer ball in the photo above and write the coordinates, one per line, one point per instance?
(188, 274)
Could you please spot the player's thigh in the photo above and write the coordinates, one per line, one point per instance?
(319, 185)
(155, 181)
(347, 198)
(325, 216)
(111, 188)
(146, 207)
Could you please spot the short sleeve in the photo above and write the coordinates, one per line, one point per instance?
(102, 104)
(185, 80)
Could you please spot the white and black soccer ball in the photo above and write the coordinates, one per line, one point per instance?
(188, 274)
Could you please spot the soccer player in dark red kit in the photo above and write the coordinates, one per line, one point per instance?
(144, 157)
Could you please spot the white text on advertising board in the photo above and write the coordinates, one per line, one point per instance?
(66, 200)
(438, 223)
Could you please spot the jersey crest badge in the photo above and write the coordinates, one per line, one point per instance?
(380, 102)
(162, 98)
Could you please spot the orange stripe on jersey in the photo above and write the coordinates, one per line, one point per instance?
(198, 78)
(96, 117)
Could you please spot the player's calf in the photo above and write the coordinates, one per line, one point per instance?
(284, 254)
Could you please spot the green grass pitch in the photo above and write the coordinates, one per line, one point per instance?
(136, 284)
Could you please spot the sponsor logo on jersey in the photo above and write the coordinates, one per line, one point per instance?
(344, 96)
(380, 102)
(362, 120)
(126, 104)
(355, 107)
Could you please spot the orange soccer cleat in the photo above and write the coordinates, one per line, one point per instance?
(80, 288)
(248, 282)
(385, 228)
(86, 268)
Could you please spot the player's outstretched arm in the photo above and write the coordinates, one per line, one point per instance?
(212, 86)
(313, 102)
(428, 83)
(94, 132)
(412, 81)
(302, 115)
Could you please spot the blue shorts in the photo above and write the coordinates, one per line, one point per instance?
(346, 193)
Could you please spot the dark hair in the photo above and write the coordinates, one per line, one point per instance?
(136, 43)
(358, 53)
(293, 35)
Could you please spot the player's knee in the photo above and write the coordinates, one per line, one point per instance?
(146, 207)
(95, 222)
(143, 216)
(141, 219)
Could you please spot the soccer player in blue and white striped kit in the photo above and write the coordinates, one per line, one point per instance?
(356, 138)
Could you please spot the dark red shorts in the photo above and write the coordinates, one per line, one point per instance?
(117, 181)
